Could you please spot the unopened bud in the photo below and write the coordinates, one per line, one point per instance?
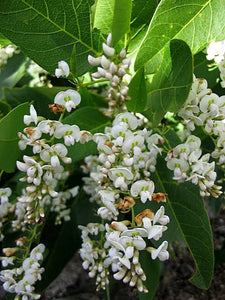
(93, 61)
(123, 53)
(109, 39)
(108, 50)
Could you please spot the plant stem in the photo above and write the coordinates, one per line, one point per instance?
(93, 82)
(107, 292)
(133, 217)
(1, 172)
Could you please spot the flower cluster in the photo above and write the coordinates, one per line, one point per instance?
(216, 52)
(188, 165)
(114, 68)
(5, 207)
(119, 177)
(46, 167)
(204, 108)
(6, 53)
(21, 280)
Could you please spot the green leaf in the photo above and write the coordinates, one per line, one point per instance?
(171, 84)
(88, 118)
(196, 22)
(202, 69)
(47, 30)
(142, 12)
(13, 71)
(4, 41)
(137, 92)
(9, 127)
(4, 107)
(113, 16)
(152, 269)
(190, 214)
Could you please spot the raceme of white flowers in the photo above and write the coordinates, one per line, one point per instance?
(188, 165)
(44, 170)
(6, 207)
(204, 108)
(113, 67)
(216, 52)
(6, 53)
(20, 278)
(120, 177)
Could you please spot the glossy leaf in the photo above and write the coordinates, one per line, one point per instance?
(171, 84)
(46, 31)
(190, 214)
(152, 269)
(88, 118)
(13, 71)
(142, 12)
(9, 126)
(4, 41)
(137, 92)
(195, 22)
(113, 16)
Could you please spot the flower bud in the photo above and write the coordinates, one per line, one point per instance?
(108, 50)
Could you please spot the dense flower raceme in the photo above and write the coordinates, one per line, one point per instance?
(204, 108)
(188, 165)
(216, 52)
(20, 278)
(6, 207)
(119, 177)
(113, 67)
(6, 53)
(45, 168)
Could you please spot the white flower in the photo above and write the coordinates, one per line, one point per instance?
(48, 126)
(120, 177)
(154, 231)
(5, 193)
(69, 133)
(52, 154)
(27, 119)
(160, 217)
(161, 252)
(63, 69)
(68, 99)
(32, 168)
(143, 188)
(128, 118)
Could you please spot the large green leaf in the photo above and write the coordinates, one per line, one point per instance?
(13, 71)
(46, 30)
(142, 12)
(113, 16)
(196, 22)
(9, 126)
(171, 84)
(190, 214)
(137, 92)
